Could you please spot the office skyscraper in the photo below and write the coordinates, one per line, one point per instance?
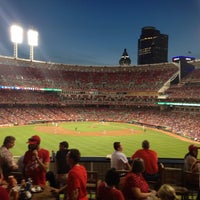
(152, 46)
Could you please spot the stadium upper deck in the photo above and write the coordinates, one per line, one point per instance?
(92, 85)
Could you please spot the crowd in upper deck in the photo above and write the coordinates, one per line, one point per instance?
(28, 74)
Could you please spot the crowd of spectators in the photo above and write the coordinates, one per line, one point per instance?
(185, 124)
(81, 84)
(140, 78)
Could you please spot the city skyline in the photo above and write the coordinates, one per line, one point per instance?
(97, 32)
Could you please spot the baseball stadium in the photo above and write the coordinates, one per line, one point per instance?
(80, 119)
(93, 106)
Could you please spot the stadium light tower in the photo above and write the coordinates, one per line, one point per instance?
(16, 37)
(32, 41)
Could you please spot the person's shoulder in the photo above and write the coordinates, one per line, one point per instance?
(27, 152)
(58, 152)
(44, 150)
(65, 152)
(128, 175)
(77, 170)
(78, 166)
(102, 185)
(2, 149)
(192, 158)
(137, 152)
(114, 152)
(122, 154)
(117, 192)
(83, 167)
(152, 151)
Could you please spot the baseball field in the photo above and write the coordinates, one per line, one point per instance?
(96, 138)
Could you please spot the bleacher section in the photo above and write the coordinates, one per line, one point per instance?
(136, 85)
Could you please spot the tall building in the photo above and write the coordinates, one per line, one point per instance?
(125, 60)
(152, 46)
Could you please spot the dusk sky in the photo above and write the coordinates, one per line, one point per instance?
(95, 32)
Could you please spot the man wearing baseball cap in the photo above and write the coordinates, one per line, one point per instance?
(36, 161)
(193, 147)
(191, 163)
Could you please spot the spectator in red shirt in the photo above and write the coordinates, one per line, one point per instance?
(150, 158)
(107, 190)
(77, 178)
(36, 161)
(134, 185)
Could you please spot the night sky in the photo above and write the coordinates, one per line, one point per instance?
(95, 32)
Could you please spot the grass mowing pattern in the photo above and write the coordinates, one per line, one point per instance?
(165, 145)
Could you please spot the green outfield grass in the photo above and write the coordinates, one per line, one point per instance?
(165, 145)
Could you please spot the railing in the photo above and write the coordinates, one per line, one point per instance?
(102, 164)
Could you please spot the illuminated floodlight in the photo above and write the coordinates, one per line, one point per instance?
(32, 41)
(16, 37)
(32, 38)
(16, 34)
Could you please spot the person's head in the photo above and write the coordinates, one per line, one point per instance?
(145, 144)
(138, 165)
(167, 192)
(112, 178)
(9, 142)
(73, 156)
(117, 146)
(34, 142)
(63, 145)
(193, 150)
